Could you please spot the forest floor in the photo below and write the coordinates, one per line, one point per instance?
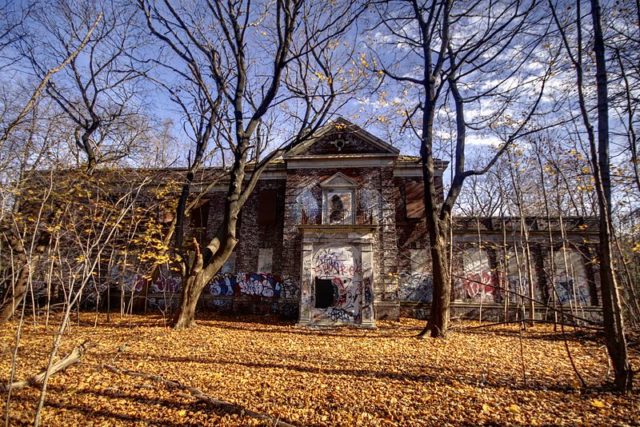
(341, 376)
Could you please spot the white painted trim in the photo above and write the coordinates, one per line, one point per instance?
(349, 183)
(273, 175)
(338, 163)
(412, 172)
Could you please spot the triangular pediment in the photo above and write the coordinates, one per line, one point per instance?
(341, 137)
(339, 180)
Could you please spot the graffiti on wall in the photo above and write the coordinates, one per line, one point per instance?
(367, 306)
(570, 291)
(571, 278)
(307, 207)
(478, 283)
(166, 284)
(480, 287)
(254, 284)
(415, 287)
(519, 288)
(127, 280)
(223, 284)
(330, 262)
(342, 266)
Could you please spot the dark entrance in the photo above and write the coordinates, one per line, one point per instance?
(324, 293)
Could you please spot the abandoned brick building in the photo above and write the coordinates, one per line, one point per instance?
(335, 233)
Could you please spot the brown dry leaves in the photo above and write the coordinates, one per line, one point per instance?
(309, 377)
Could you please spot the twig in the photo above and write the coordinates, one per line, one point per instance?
(199, 395)
(35, 381)
(509, 322)
(573, 364)
(524, 371)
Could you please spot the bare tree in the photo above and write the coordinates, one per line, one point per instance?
(599, 146)
(239, 64)
(97, 91)
(440, 63)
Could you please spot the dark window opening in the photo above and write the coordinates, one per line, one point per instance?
(325, 295)
(337, 209)
(267, 207)
(199, 220)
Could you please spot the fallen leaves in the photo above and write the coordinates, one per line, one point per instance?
(350, 377)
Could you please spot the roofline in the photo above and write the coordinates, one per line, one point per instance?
(355, 129)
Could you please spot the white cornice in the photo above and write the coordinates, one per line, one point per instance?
(360, 161)
(412, 172)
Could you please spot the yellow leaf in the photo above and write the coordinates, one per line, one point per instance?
(182, 413)
(486, 408)
(514, 409)
(597, 403)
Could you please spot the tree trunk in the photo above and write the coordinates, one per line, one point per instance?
(19, 289)
(207, 262)
(611, 305)
(15, 295)
(441, 304)
(191, 290)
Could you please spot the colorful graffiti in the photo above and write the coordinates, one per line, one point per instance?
(346, 305)
(164, 284)
(569, 291)
(352, 296)
(415, 287)
(571, 278)
(127, 280)
(330, 262)
(340, 315)
(480, 287)
(254, 284)
(258, 284)
(222, 284)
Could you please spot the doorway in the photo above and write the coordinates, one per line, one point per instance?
(324, 293)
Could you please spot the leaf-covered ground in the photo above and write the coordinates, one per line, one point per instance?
(317, 377)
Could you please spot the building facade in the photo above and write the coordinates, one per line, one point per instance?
(334, 233)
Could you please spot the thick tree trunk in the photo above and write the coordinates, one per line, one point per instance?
(438, 232)
(611, 303)
(441, 304)
(612, 313)
(208, 261)
(191, 290)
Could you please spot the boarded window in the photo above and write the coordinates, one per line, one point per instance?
(414, 199)
(265, 260)
(267, 207)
